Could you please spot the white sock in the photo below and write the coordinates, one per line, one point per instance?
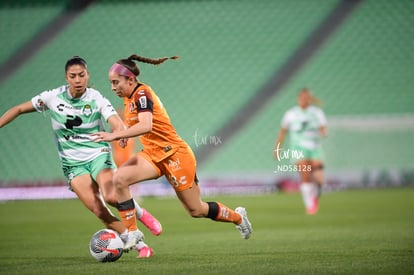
(138, 209)
(307, 190)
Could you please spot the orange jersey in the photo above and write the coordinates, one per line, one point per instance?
(163, 139)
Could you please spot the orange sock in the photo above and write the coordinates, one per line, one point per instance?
(129, 219)
(226, 214)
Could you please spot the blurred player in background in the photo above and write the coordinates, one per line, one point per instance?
(306, 125)
(164, 152)
(76, 111)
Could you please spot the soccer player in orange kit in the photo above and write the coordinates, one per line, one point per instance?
(164, 152)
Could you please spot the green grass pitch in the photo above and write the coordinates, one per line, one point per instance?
(355, 232)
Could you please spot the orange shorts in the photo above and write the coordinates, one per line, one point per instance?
(179, 168)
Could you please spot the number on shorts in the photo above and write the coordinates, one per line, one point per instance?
(182, 180)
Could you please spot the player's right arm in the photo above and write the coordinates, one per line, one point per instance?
(279, 140)
(282, 133)
(14, 112)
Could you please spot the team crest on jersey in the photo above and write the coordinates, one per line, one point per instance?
(40, 103)
(131, 107)
(87, 110)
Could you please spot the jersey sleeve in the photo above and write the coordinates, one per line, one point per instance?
(286, 120)
(144, 101)
(39, 102)
(107, 110)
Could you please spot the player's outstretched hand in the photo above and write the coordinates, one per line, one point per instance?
(102, 136)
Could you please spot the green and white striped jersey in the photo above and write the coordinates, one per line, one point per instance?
(304, 125)
(73, 120)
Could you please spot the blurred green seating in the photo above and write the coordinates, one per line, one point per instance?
(21, 20)
(228, 50)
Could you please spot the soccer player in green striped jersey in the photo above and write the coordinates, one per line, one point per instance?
(306, 125)
(77, 111)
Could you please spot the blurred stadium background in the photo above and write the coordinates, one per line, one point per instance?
(241, 66)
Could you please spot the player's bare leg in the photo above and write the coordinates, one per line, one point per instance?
(318, 175)
(125, 176)
(192, 202)
(88, 193)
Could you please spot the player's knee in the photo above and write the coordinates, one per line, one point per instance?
(109, 195)
(204, 210)
(318, 166)
(111, 200)
(119, 181)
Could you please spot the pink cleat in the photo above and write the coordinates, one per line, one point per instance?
(313, 209)
(144, 251)
(150, 222)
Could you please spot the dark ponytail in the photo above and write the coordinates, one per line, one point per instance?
(150, 60)
(132, 66)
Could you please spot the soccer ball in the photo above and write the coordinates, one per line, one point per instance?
(106, 246)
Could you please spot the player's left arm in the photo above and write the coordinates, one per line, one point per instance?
(323, 123)
(144, 102)
(323, 131)
(279, 141)
(142, 127)
(117, 124)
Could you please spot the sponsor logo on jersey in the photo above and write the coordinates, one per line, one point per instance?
(62, 106)
(76, 137)
(175, 165)
(131, 107)
(143, 102)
